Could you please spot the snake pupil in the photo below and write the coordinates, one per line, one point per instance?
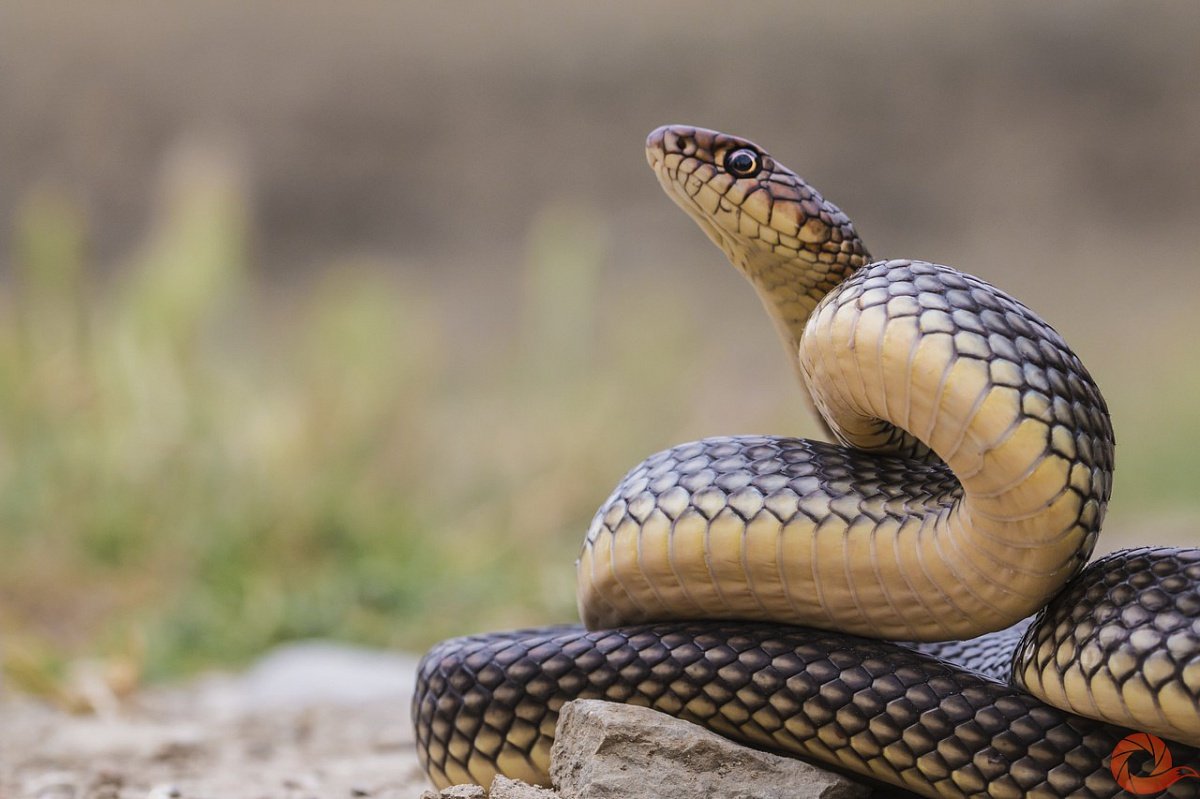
(743, 163)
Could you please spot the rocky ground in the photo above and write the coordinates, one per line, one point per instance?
(309, 720)
(323, 720)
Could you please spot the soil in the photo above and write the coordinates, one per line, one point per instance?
(309, 720)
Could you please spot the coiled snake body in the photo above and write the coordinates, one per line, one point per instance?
(740, 582)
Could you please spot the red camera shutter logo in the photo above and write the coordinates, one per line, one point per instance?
(1162, 775)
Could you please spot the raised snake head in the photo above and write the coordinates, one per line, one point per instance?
(788, 240)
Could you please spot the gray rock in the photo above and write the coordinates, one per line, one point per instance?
(504, 788)
(604, 750)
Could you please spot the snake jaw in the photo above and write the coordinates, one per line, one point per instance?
(682, 185)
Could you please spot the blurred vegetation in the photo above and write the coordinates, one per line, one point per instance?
(384, 347)
(194, 468)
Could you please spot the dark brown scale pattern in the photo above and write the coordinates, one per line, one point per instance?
(990, 654)
(773, 474)
(1132, 605)
(869, 706)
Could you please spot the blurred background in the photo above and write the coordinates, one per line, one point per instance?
(341, 319)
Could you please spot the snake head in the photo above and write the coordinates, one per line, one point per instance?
(750, 205)
(792, 243)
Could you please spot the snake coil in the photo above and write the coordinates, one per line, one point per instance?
(742, 582)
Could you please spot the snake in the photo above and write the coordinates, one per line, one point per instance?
(912, 603)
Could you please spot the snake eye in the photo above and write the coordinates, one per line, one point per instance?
(743, 163)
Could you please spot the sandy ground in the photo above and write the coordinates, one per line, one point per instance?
(308, 720)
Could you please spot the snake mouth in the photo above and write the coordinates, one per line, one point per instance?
(675, 188)
(684, 143)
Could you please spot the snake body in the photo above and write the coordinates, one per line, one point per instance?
(739, 582)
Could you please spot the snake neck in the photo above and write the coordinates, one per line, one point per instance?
(790, 285)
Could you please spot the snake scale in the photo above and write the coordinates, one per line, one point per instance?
(744, 583)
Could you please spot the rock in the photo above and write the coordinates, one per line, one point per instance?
(604, 750)
(504, 788)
